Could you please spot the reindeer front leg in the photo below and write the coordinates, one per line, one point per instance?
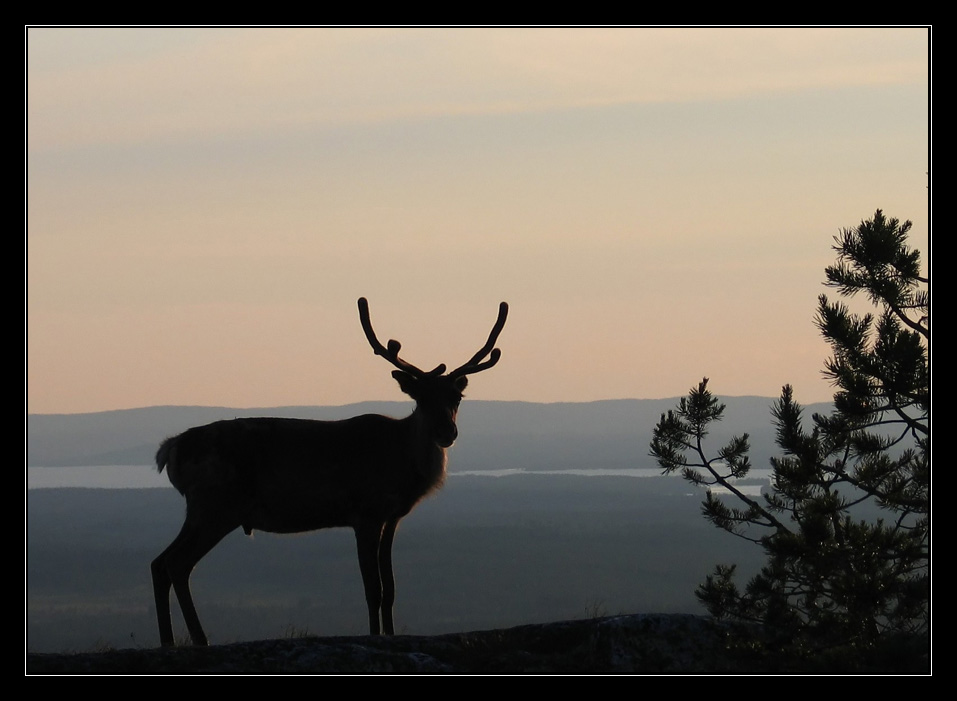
(368, 542)
(387, 577)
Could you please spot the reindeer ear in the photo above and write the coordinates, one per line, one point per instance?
(461, 383)
(406, 381)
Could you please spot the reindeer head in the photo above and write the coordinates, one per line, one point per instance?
(437, 395)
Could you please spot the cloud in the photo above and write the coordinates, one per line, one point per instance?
(117, 86)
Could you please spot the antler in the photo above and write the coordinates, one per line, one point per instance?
(474, 365)
(392, 352)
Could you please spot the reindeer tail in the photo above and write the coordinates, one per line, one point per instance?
(163, 454)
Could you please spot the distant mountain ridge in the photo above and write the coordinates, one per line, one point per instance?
(610, 434)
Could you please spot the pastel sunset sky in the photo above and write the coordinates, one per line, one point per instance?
(204, 206)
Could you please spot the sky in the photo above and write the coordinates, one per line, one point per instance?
(204, 206)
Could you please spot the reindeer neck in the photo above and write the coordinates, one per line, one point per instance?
(430, 458)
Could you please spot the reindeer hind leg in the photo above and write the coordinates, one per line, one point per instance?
(161, 586)
(201, 531)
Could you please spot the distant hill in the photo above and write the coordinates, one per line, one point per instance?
(494, 435)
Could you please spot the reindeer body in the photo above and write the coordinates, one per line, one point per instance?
(295, 475)
(292, 475)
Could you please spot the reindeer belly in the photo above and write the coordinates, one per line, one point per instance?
(294, 512)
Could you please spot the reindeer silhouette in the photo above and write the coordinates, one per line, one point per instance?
(293, 475)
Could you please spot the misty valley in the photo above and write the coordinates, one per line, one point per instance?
(528, 546)
(483, 553)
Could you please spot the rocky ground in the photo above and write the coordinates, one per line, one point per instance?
(636, 644)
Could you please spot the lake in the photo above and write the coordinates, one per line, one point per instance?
(146, 476)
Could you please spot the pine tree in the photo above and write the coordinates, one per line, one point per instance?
(845, 522)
